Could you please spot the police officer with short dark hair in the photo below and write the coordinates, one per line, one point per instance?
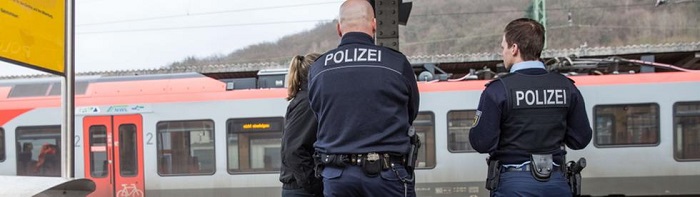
(525, 117)
(365, 98)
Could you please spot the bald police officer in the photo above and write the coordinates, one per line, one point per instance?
(365, 98)
(525, 117)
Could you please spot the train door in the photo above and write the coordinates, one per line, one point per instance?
(114, 154)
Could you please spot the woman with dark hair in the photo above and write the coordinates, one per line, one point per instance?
(297, 173)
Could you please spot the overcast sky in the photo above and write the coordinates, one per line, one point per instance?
(143, 34)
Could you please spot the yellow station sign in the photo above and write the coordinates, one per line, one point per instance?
(32, 34)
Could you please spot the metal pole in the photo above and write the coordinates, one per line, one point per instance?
(540, 9)
(387, 16)
(68, 96)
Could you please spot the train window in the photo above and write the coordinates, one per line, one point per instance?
(80, 88)
(604, 128)
(459, 123)
(29, 90)
(98, 151)
(44, 160)
(626, 125)
(127, 150)
(254, 144)
(2, 145)
(425, 129)
(686, 121)
(185, 147)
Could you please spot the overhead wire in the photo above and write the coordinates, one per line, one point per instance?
(205, 13)
(201, 26)
(656, 64)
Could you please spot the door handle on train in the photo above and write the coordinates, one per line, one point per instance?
(109, 171)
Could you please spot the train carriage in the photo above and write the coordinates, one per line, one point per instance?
(186, 135)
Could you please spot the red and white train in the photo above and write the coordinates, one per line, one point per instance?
(186, 135)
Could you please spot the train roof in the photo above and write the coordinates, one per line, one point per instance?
(37, 87)
(195, 87)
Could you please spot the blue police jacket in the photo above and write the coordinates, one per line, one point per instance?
(487, 135)
(365, 98)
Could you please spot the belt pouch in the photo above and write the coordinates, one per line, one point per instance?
(341, 160)
(494, 174)
(541, 166)
(372, 165)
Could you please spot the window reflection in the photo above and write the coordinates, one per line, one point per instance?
(458, 125)
(186, 147)
(38, 152)
(687, 130)
(424, 124)
(627, 124)
(254, 144)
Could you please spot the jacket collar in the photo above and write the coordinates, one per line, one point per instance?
(356, 38)
(526, 65)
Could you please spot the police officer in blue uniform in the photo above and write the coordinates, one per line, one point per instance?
(526, 117)
(365, 98)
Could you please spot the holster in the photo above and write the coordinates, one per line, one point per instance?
(542, 166)
(318, 165)
(413, 153)
(573, 175)
(493, 175)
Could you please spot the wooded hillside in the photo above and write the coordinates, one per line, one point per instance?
(475, 26)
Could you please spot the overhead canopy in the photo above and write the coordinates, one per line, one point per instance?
(23, 186)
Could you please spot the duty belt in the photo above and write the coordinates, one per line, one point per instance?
(523, 168)
(341, 160)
